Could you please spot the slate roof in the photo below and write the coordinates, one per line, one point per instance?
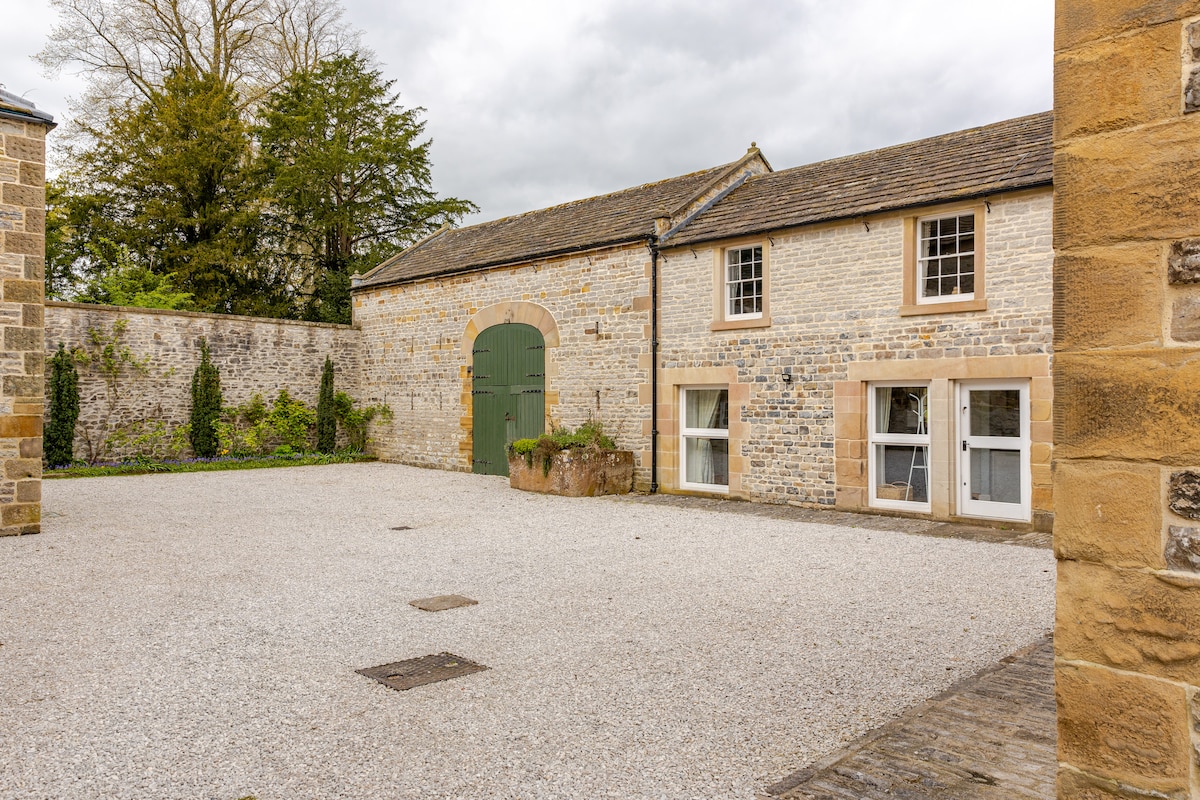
(1014, 154)
(617, 218)
(1005, 156)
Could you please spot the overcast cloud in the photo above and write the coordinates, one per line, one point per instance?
(532, 102)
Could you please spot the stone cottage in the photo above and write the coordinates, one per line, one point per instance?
(868, 333)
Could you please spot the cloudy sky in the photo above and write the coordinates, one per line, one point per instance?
(535, 102)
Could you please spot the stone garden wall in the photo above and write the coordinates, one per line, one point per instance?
(254, 356)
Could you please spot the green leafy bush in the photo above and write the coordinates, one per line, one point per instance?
(59, 436)
(291, 421)
(354, 421)
(588, 436)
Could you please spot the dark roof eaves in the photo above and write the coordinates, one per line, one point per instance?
(708, 238)
(508, 262)
(37, 117)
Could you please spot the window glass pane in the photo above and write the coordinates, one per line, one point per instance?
(901, 473)
(996, 475)
(707, 408)
(996, 412)
(901, 409)
(946, 249)
(707, 460)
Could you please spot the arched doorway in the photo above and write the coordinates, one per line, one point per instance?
(508, 392)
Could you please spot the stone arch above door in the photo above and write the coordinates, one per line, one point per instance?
(499, 314)
(516, 311)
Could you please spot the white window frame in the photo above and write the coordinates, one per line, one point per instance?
(729, 283)
(901, 439)
(922, 260)
(686, 433)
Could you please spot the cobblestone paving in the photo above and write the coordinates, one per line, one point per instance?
(989, 737)
(920, 527)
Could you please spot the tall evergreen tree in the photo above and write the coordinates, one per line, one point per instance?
(206, 405)
(326, 419)
(348, 175)
(168, 187)
(59, 436)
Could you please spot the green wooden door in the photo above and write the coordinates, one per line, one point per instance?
(508, 392)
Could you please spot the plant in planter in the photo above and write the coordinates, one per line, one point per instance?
(584, 462)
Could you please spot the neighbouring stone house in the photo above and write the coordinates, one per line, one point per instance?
(23, 130)
(867, 333)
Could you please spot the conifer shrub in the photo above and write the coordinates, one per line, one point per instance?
(206, 405)
(59, 435)
(326, 413)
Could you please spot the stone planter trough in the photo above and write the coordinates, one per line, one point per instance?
(575, 473)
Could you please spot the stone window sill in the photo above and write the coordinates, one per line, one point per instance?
(979, 304)
(737, 324)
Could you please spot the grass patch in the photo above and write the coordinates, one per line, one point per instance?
(147, 467)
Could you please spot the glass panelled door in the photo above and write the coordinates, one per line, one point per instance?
(993, 467)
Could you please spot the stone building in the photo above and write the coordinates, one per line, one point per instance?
(871, 332)
(23, 132)
(1127, 379)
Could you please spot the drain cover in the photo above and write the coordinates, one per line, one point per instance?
(413, 672)
(402, 528)
(443, 602)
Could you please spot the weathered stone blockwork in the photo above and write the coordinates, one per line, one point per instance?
(254, 356)
(22, 266)
(413, 350)
(835, 293)
(1127, 316)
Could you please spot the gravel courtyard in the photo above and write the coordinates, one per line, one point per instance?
(196, 636)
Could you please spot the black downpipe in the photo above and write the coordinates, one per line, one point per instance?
(653, 245)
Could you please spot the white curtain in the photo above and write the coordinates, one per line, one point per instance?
(704, 411)
(883, 409)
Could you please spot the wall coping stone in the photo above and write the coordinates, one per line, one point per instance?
(199, 314)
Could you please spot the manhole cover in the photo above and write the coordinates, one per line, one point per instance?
(443, 602)
(404, 675)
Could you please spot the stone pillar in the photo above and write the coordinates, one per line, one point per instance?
(23, 132)
(1127, 397)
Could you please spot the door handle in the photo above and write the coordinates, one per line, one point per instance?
(964, 445)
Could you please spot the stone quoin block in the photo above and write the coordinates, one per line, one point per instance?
(1129, 620)
(1132, 405)
(1124, 77)
(1107, 297)
(1079, 23)
(1124, 727)
(1108, 513)
(1127, 186)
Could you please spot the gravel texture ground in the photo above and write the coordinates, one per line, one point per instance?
(196, 636)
